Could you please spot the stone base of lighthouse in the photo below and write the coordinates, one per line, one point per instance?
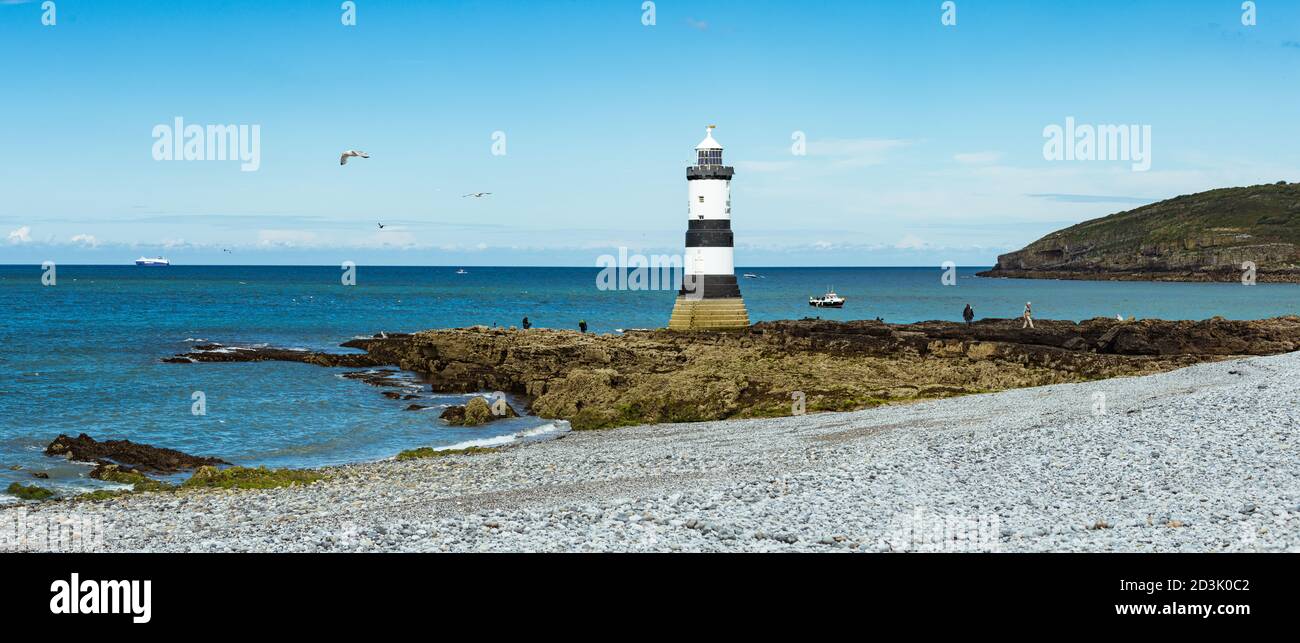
(709, 314)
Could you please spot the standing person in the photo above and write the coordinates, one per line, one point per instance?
(968, 314)
(582, 325)
(527, 324)
(1029, 317)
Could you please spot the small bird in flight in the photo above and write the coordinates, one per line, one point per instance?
(477, 195)
(381, 226)
(343, 160)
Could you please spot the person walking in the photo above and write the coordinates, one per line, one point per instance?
(527, 324)
(1028, 316)
(968, 314)
(582, 325)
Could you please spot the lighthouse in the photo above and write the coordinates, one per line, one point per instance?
(710, 297)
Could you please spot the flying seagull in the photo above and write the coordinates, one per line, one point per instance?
(381, 226)
(477, 195)
(343, 160)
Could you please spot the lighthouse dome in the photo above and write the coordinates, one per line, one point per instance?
(708, 152)
(708, 143)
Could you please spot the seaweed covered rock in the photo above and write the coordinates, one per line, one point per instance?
(477, 412)
(30, 492)
(430, 452)
(144, 457)
(249, 478)
(116, 473)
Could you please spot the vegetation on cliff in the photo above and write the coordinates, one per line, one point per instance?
(1198, 237)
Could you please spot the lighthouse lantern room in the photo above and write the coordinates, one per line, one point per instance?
(709, 298)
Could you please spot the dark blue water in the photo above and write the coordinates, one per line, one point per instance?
(83, 355)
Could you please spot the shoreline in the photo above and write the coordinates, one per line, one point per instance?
(571, 381)
(1199, 459)
(1157, 276)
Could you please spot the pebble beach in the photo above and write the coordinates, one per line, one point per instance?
(1201, 459)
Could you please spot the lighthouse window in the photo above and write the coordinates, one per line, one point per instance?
(701, 198)
(710, 157)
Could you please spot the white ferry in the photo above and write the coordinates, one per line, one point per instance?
(156, 261)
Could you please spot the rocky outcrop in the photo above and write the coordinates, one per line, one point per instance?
(1199, 237)
(137, 457)
(598, 381)
(477, 412)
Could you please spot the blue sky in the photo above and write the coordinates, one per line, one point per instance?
(925, 142)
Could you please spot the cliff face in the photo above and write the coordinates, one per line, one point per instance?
(598, 381)
(1198, 237)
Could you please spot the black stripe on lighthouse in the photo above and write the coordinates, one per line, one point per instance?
(709, 233)
(715, 286)
(710, 172)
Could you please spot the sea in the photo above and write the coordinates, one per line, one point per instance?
(84, 354)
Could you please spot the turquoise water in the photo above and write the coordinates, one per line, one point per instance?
(83, 355)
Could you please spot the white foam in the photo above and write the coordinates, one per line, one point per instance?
(548, 431)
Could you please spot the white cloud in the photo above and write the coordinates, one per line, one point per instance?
(21, 235)
(285, 238)
(85, 240)
(911, 241)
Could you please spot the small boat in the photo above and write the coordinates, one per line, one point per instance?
(462, 271)
(750, 275)
(828, 300)
(156, 261)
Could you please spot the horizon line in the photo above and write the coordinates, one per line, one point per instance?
(330, 265)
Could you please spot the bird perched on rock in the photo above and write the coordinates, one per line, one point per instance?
(343, 159)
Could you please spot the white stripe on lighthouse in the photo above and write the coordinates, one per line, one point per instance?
(709, 198)
(709, 261)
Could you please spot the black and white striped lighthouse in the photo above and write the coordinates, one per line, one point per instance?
(710, 297)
